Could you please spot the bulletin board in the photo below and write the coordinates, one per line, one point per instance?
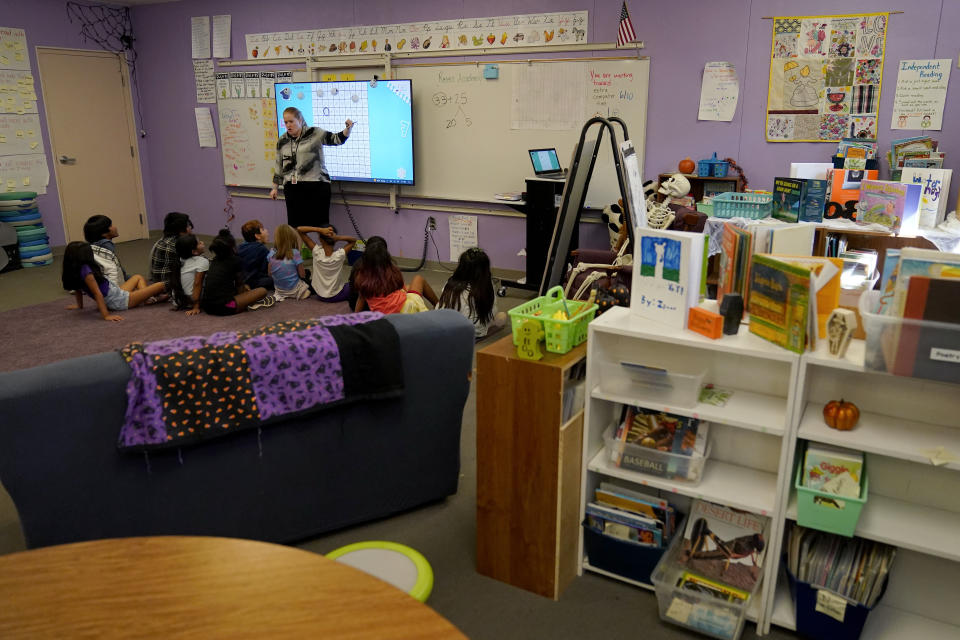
(248, 138)
(825, 77)
(472, 133)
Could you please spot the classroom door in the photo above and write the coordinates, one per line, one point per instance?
(92, 139)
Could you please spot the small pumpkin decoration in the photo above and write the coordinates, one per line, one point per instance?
(841, 415)
(687, 165)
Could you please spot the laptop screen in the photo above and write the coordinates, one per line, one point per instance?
(544, 160)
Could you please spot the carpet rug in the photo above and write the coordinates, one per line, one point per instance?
(48, 332)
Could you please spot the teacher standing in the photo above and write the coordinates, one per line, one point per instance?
(301, 171)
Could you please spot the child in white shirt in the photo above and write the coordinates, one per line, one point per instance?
(327, 278)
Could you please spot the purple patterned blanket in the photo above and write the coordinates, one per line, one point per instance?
(185, 390)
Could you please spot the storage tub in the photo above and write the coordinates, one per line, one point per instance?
(662, 464)
(560, 335)
(817, 625)
(742, 205)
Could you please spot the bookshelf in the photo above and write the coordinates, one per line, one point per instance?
(751, 436)
(908, 429)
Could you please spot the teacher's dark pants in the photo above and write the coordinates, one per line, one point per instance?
(308, 203)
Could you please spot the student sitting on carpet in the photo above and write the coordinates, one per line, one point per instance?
(163, 256)
(470, 291)
(327, 279)
(286, 265)
(253, 254)
(82, 275)
(187, 285)
(100, 232)
(224, 292)
(380, 285)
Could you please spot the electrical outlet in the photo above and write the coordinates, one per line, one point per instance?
(432, 222)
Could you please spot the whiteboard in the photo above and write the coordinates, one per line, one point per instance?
(248, 137)
(465, 143)
(467, 147)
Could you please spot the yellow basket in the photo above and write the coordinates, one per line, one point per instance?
(561, 335)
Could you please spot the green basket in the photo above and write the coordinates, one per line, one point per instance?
(561, 335)
(829, 512)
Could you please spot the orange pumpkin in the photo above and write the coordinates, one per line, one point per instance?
(687, 165)
(841, 415)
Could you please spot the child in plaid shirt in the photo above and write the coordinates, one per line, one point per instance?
(163, 256)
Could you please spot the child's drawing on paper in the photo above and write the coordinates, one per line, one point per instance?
(660, 258)
(870, 36)
(836, 100)
(839, 71)
(868, 71)
(804, 93)
(842, 43)
(779, 127)
(863, 127)
(813, 38)
(785, 45)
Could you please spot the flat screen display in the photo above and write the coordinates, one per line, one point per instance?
(380, 147)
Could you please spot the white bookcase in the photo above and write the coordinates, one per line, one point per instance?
(906, 424)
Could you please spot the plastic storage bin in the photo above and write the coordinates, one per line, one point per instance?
(829, 512)
(742, 205)
(653, 386)
(700, 612)
(561, 335)
(712, 167)
(663, 464)
(906, 347)
(705, 207)
(817, 625)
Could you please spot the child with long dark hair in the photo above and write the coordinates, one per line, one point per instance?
(100, 231)
(224, 292)
(470, 291)
(163, 256)
(187, 285)
(82, 275)
(380, 287)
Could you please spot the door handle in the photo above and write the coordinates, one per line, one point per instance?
(67, 160)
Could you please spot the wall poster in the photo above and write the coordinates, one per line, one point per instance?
(825, 76)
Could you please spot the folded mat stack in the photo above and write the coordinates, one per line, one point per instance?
(19, 208)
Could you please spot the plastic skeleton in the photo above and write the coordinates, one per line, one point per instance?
(743, 547)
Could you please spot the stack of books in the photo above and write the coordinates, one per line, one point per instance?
(832, 470)
(921, 287)
(633, 516)
(660, 443)
(854, 568)
(917, 151)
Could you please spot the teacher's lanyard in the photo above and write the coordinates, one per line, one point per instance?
(295, 145)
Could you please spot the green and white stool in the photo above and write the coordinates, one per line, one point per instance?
(398, 564)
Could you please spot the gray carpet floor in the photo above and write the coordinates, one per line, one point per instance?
(483, 608)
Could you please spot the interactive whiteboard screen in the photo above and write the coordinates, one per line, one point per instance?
(380, 147)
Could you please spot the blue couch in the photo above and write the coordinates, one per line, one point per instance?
(293, 480)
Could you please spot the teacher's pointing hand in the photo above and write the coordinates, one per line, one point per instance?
(349, 126)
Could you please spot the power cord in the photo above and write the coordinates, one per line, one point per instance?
(346, 206)
(426, 245)
(439, 261)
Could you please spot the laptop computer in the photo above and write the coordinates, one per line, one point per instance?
(546, 164)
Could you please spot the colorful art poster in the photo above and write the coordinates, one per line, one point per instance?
(538, 29)
(825, 76)
(921, 92)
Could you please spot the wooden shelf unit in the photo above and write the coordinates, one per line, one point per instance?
(528, 469)
(698, 182)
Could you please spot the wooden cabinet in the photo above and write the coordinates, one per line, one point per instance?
(528, 469)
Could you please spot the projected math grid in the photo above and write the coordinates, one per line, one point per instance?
(332, 107)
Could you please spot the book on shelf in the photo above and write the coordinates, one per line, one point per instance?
(724, 545)
(845, 192)
(700, 585)
(930, 351)
(853, 568)
(920, 262)
(888, 281)
(667, 275)
(779, 302)
(734, 261)
(934, 191)
(618, 497)
(832, 470)
(825, 287)
(799, 200)
(624, 525)
(894, 205)
(663, 431)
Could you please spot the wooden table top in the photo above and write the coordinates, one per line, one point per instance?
(196, 587)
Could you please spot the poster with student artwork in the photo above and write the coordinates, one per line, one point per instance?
(825, 77)
(921, 92)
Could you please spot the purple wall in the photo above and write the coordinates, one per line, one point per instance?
(679, 40)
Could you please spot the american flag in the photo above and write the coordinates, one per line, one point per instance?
(625, 33)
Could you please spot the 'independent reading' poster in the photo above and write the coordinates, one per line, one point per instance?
(825, 75)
